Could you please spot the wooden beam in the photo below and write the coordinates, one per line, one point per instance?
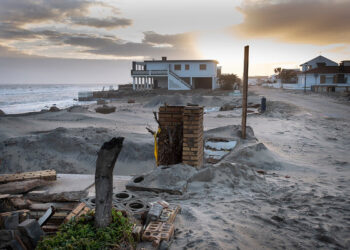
(49, 175)
(245, 91)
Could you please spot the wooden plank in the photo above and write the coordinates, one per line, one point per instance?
(48, 175)
(245, 91)
(19, 187)
(59, 206)
(75, 212)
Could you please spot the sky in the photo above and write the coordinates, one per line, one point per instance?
(88, 41)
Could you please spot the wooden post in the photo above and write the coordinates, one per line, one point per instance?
(107, 156)
(245, 91)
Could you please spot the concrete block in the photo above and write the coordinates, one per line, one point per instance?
(31, 229)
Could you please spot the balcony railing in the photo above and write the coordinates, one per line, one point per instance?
(149, 72)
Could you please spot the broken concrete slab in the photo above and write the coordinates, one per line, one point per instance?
(67, 187)
(170, 179)
(19, 187)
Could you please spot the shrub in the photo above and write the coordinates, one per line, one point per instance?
(82, 234)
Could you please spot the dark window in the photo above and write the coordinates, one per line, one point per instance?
(341, 78)
(321, 64)
(187, 66)
(177, 67)
(202, 66)
(323, 79)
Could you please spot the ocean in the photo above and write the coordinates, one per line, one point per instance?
(18, 98)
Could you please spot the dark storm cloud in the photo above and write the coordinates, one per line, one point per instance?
(108, 23)
(304, 21)
(15, 14)
(9, 31)
(20, 12)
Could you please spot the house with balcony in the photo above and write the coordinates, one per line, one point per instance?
(175, 74)
(321, 72)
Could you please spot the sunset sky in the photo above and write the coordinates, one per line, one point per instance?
(71, 41)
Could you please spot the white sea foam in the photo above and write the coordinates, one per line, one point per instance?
(16, 99)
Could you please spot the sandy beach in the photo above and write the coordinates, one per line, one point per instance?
(287, 187)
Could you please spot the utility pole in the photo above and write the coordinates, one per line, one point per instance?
(245, 91)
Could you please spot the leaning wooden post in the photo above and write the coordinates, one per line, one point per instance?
(245, 91)
(107, 156)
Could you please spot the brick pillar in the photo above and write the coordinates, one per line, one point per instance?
(192, 149)
(170, 149)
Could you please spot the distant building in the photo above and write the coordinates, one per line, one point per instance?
(322, 71)
(318, 73)
(175, 74)
(257, 80)
(317, 62)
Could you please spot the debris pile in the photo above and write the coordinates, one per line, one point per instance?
(153, 221)
(105, 109)
(19, 227)
(37, 203)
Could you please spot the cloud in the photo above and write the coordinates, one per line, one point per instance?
(16, 14)
(180, 45)
(8, 52)
(9, 31)
(21, 12)
(318, 22)
(24, 24)
(180, 40)
(107, 23)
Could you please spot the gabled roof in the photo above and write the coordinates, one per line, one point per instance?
(321, 58)
(328, 70)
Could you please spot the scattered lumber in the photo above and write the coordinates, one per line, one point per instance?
(19, 187)
(77, 212)
(49, 175)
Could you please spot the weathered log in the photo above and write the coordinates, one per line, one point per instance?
(107, 156)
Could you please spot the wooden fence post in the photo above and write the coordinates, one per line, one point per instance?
(245, 91)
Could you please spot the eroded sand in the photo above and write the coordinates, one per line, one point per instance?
(302, 202)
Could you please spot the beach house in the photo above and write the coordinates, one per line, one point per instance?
(175, 74)
(322, 73)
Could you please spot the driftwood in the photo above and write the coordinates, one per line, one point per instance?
(107, 156)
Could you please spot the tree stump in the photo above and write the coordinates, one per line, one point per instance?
(107, 156)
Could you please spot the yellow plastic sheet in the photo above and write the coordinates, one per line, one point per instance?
(156, 145)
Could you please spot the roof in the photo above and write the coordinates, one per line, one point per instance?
(316, 58)
(328, 70)
(178, 61)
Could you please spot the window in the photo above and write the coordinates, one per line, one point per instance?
(323, 79)
(202, 66)
(187, 66)
(177, 67)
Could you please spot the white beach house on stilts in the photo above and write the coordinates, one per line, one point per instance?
(174, 74)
